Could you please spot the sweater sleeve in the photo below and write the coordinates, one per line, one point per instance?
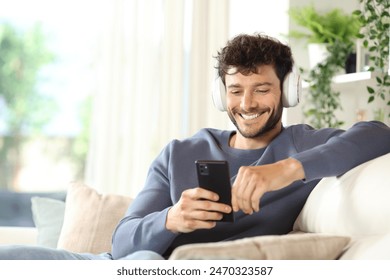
(343, 150)
(143, 227)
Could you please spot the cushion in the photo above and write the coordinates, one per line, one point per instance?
(48, 216)
(298, 246)
(90, 219)
(356, 203)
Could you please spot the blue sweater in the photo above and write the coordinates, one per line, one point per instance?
(323, 153)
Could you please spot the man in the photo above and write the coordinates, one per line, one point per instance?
(274, 167)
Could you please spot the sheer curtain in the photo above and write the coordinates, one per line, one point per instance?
(154, 74)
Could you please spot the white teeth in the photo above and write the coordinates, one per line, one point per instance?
(249, 117)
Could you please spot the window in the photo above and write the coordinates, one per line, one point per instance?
(55, 153)
(49, 84)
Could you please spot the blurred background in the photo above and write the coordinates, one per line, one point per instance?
(93, 90)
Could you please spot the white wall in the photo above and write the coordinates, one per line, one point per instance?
(249, 16)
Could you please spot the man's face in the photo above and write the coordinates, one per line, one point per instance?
(254, 101)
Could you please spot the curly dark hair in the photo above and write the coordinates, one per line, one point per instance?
(247, 52)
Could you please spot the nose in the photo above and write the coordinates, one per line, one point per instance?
(247, 101)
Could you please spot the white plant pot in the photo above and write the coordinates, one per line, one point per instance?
(317, 53)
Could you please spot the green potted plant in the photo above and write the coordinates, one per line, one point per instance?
(337, 32)
(322, 101)
(323, 29)
(375, 20)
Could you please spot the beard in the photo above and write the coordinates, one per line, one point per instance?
(273, 120)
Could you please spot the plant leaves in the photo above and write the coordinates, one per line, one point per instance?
(372, 49)
(360, 36)
(370, 90)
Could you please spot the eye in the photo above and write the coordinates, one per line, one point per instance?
(235, 92)
(261, 91)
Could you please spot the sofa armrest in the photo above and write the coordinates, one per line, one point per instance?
(354, 204)
(18, 235)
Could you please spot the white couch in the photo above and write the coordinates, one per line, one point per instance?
(355, 205)
(18, 235)
(349, 217)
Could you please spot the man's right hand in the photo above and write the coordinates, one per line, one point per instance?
(197, 208)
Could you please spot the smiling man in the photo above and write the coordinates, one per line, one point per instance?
(254, 105)
(274, 167)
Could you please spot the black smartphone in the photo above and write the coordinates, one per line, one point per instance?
(214, 175)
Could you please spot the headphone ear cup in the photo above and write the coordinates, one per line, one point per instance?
(292, 89)
(219, 94)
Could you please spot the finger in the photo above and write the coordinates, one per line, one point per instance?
(246, 199)
(202, 215)
(243, 191)
(237, 190)
(257, 194)
(201, 193)
(201, 224)
(206, 224)
(212, 206)
(236, 193)
(190, 223)
(234, 198)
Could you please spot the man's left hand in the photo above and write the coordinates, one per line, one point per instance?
(253, 181)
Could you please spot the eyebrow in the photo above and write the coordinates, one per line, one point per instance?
(254, 85)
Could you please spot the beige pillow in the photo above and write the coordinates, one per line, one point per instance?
(90, 219)
(298, 246)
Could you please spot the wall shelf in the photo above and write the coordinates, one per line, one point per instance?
(353, 77)
(349, 78)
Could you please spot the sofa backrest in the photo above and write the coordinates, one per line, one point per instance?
(15, 207)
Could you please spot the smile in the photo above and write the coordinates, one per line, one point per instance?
(249, 117)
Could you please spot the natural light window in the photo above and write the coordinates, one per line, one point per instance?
(50, 152)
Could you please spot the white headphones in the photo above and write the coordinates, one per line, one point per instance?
(292, 88)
